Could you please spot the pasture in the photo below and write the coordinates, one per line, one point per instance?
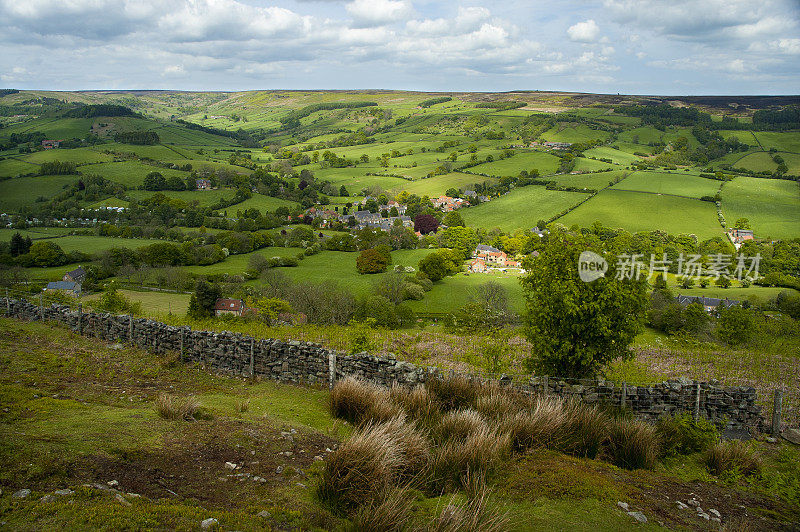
(638, 211)
(512, 166)
(521, 208)
(771, 205)
(676, 183)
(19, 192)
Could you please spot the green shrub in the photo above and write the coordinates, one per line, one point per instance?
(681, 434)
(632, 444)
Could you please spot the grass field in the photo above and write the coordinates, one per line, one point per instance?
(680, 184)
(154, 303)
(132, 173)
(771, 205)
(18, 192)
(573, 133)
(512, 166)
(437, 185)
(636, 211)
(606, 152)
(202, 197)
(520, 208)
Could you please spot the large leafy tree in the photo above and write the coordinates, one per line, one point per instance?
(578, 327)
(201, 304)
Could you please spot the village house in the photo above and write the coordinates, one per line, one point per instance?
(739, 236)
(486, 257)
(50, 144)
(448, 204)
(203, 184)
(232, 307)
(477, 266)
(710, 304)
(78, 275)
(67, 287)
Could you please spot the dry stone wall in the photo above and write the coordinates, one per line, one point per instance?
(309, 363)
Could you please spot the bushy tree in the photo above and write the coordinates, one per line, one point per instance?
(579, 327)
(201, 304)
(371, 261)
(47, 254)
(426, 223)
(440, 264)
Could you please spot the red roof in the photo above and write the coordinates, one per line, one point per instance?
(233, 305)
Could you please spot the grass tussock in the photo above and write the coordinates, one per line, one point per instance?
(732, 456)
(585, 430)
(363, 466)
(243, 406)
(455, 461)
(477, 515)
(415, 451)
(459, 425)
(177, 408)
(632, 444)
(358, 401)
(418, 403)
(388, 512)
(453, 392)
(496, 405)
(540, 426)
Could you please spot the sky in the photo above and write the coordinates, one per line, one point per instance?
(663, 47)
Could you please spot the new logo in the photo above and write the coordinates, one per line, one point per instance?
(591, 266)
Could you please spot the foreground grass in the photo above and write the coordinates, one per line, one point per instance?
(77, 413)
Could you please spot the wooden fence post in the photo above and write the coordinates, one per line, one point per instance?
(623, 396)
(252, 357)
(8, 304)
(41, 307)
(776, 412)
(130, 328)
(697, 401)
(80, 318)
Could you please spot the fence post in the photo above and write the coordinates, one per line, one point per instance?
(130, 328)
(623, 398)
(252, 357)
(183, 333)
(80, 318)
(697, 401)
(546, 385)
(41, 307)
(776, 412)
(8, 304)
(331, 369)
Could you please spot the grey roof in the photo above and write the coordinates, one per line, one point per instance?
(706, 301)
(77, 273)
(62, 285)
(484, 247)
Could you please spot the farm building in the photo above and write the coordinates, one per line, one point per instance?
(78, 275)
(739, 236)
(447, 204)
(710, 304)
(68, 287)
(232, 307)
(50, 144)
(203, 184)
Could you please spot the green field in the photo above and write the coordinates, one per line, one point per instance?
(154, 303)
(202, 197)
(679, 184)
(437, 185)
(19, 192)
(132, 173)
(520, 209)
(606, 152)
(512, 166)
(573, 133)
(771, 205)
(637, 211)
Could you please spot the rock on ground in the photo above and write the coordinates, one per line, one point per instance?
(639, 516)
(207, 524)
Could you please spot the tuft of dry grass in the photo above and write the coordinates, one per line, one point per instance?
(453, 462)
(458, 425)
(362, 467)
(243, 406)
(417, 402)
(477, 515)
(585, 430)
(496, 405)
(733, 455)
(453, 392)
(540, 426)
(390, 511)
(414, 448)
(175, 408)
(633, 444)
(358, 401)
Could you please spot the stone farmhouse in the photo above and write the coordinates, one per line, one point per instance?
(78, 275)
(68, 287)
(203, 184)
(739, 236)
(50, 144)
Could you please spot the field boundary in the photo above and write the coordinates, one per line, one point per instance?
(734, 408)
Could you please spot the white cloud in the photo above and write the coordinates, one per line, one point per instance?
(587, 31)
(379, 12)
